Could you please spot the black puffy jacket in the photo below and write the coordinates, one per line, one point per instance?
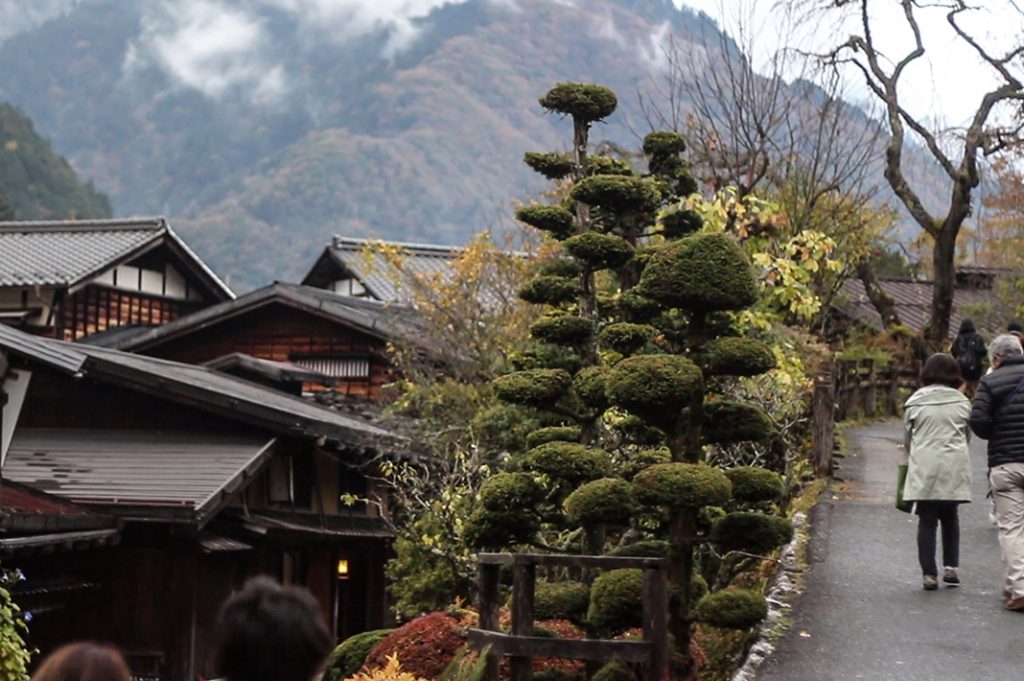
(1000, 423)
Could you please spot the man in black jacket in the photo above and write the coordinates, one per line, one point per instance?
(998, 416)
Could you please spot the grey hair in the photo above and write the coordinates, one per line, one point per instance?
(1004, 345)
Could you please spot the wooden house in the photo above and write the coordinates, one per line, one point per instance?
(145, 490)
(72, 279)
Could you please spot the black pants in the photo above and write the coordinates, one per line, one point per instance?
(930, 514)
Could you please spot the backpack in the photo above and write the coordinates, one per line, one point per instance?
(969, 352)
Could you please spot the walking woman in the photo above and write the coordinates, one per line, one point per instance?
(969, 350)
(939, 468)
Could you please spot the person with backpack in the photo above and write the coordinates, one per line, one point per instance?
(969, 351)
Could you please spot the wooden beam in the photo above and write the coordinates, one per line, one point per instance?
(536, 646)
(571, 560)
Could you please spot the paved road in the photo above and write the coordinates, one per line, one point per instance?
(864, 615)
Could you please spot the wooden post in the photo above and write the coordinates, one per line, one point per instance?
(655, 622)
(871, 389)
(892, 394)
(524, 577)
(823, 415)
(488, 586)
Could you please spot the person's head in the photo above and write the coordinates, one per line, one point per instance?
(1015, 328)
(942, 369)
(83, 662)
(1003, 346)
(269, 632)
(967, 326)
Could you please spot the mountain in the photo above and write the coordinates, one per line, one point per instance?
(35, 182)
(262, 128)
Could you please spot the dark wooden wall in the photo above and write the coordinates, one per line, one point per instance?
(98, 308)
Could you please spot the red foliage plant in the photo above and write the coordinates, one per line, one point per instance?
(424, 646)
(560, 629)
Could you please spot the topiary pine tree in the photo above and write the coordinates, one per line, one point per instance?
(641, 301)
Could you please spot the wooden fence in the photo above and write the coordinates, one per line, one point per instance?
(522, 646)
(853, 388)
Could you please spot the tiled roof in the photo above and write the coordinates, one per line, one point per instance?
(64, 253)
(913, 301)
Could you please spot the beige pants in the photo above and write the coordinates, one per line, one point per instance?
(1008, 494)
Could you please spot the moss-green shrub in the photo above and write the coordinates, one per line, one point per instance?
(614, 671)
(634, 430)
(705, 272)
(487, 528)
(560, 267)
(583, 101)
(698, 587)
(504, 491)
(682, 485)
(566, 600)
(664, 143)
(599, 251)
(640, 459)
(608, 500)
(503, 427)
(614, 597)
(552, 165)
(624, 337)
(680, 223)
(539, 355)
(562, 329)
(606, 165)
(637, 307)
(556, 674)
(653, 386)
(757, 533)
(618, 194)
(569, 462)
(753, 484)
(708, 516)
(732, 609)
(548, 289)
(543, 436)
(533, 387)
(727, 422)
(348, 657)
(554, 219)
(738, 357)
(648, 548)
(589, 386)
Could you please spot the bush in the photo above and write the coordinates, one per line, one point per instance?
(560, 267)
(648, 548)
(753, 484)
(608, 500)
(634, 430)
(583, 101)
(550, 290)
(556, 220)
(680, 223)
(487, 528)
(599, 251)
(505, 491)
(728, 422)
(390, 670)
(348, 657)
(664, 143)
(425, 645)
(757, 533)
(552, 165)
(655, 387)
(606, 165)
(682, 485)
(534, 387)
(420, 580)
(614, 599)
(503, 427)
(640, 459)
(537, 355)
(569, 462)
(566, 600)
(618, 194)
(614, 671)
(637, 307)
(732, 609)
(562, 329)
(589, 386)
(542, 436)
(703, 272)
(738, 357)
(625, 338)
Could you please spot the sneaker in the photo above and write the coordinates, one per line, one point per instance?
(931, 583)
(950, 577)
(1015, 604)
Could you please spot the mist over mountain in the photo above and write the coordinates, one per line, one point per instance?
(263, 127)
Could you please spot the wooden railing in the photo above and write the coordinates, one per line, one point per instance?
(522, 646)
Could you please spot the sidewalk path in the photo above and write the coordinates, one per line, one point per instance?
(863, 614)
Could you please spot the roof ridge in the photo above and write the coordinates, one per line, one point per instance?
(100, 224)
(337, 241)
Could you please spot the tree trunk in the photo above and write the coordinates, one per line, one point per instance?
(881, 300)
(936, 332)
(680, 577)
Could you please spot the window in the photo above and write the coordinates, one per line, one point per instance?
(339, 367)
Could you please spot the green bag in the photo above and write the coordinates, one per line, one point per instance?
(901, 478)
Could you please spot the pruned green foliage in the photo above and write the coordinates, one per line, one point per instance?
(565, 600)
(560, 267)
(624, 337)
(585, 102)
(640, 459)
(550, 290)
(542, 436)
(703, 272)
(608, 500)
(664, 143)
(348, 657)
(552, 165)
(648, 548)
(732, 609)
(533, 387)
(758, 533)
(510, 490)
(682, 486)
(614, 596)
(562, 329)
(655, 387)
(727, 422)
(614, 671)
(488, 528)
(599, 251)
(637, 307)
(589, 387)
(737, 357)
(538, 355)
(554, 219)
(753, 484)
(680, 223)
(606, 165)
(503, 427)
(569, 462)
(618, 194)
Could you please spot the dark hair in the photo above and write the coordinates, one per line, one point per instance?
(270, 632)
(83, 662)
(966, 326)
(942, 369)
(1014, 326)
